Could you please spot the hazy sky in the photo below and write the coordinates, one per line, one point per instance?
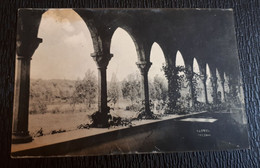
(67, 45)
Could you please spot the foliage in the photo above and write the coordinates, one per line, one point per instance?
(142, 113)
(85, 90)
(178, 77)
(113, 90)
(48, 92)
(160, 89)
(195, 83)
(175, 80)
(37, 107)
(57, 131)
(131, 88)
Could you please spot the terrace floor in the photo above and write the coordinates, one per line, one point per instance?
(197, 131)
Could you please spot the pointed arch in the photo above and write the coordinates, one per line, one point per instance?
(185, 87)
(65, 37)
(158, 60)
(226, 84)
(208, 83)
(199, 88)
(219, 87)
(158, 83)
(196, 68)
(179, 59)
(141, 50)
(57, 31)
(125, 56)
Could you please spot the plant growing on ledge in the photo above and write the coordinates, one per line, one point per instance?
(143, 114)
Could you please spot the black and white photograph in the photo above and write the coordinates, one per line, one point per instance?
(126, 81)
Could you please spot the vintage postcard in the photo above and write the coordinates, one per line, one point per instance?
(124, 81)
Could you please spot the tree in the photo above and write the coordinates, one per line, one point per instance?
(113, 90)
(160, 88)
(131, 87)
(86, 89)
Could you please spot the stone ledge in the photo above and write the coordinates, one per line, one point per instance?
(62, 143)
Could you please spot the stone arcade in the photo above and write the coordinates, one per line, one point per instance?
(198, 34)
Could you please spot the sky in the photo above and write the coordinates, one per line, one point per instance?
(67, 45)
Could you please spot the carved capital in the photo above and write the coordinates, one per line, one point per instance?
(189, 74)
(222, 81)
(101, 59)
(26, 48)
(144, 66)
(204, 78)
(213, 79)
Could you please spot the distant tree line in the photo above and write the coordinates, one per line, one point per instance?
(84, 91)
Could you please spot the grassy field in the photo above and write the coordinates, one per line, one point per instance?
(49, 122)
(64, 117)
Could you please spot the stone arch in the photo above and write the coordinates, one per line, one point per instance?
(158, 84)
(134, 40)
(96, 39)
(125, 56)
(199, 83)
(179, 60)
(220, 91)
(184, 88)
(143, 47)
(196, 67)
(73, 34)
(58, 33)
(208, 83)
(226, 85)
(159, 60)
(163, 50)
(27, 43)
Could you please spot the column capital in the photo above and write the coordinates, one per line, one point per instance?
(204, 77)
(101, 59)
(143, 66)
(222, 81)
(25, 49)
(213, 79)
(189, 74)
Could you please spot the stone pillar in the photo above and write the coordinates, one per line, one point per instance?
(20, 133)
(144, 68)
(28, 22)
(21, 101)
(204, 81)
(102, 61)
(214, 84)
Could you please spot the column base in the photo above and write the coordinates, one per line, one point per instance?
(21, 138)
(100, 120)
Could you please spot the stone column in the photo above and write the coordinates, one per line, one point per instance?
(20, 133)
(214, 84)
(144, 68)
(102, 61)
(21, 101)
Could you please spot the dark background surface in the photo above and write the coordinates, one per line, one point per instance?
(247, 19)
